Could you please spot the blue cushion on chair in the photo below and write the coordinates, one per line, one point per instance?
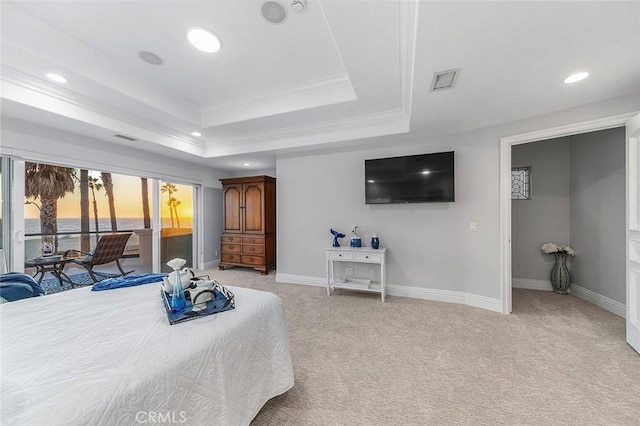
(15, 286)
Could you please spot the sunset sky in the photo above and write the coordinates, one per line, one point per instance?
(128, 200)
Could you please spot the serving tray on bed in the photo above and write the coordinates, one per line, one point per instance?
(222, 301)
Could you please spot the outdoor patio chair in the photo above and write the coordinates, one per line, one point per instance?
(110, 248)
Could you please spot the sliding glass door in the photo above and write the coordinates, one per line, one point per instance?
(5, 216)
(177, 223)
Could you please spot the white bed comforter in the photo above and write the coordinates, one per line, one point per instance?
(111, 358)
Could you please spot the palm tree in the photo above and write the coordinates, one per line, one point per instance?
(85, 235)
(95, 185)
(145, 203)
(169, 188)
(108, 188)
(49, 183)
(173, 206)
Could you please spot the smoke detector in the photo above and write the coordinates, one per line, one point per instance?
(444, 80)
(298, 5)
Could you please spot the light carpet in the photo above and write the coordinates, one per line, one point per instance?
(557, 360)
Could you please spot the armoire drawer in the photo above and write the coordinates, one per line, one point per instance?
(230, 258)
(230, 239)
(253, 240)
(252, 249)
(252, 260)
(230, 248)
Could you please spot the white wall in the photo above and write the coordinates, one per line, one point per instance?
(598, 212)
(430, 245)
(546, 216)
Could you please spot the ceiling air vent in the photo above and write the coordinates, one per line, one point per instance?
(444, 80)
(126, 138)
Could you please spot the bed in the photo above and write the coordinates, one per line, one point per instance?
(111, 358)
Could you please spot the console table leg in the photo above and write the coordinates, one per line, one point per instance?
(329, 276)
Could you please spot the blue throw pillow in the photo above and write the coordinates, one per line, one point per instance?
(15, 286)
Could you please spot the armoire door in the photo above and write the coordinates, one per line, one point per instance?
(253, 208)
(232, 207)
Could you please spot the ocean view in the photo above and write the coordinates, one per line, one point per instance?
(32, 226)
(33, 243)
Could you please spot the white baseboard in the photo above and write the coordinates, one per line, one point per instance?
(406, 291)
(531, 284)
(300, 279)
(210, 265)
(604, 302)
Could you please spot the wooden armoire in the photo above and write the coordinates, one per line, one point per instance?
(248, 223)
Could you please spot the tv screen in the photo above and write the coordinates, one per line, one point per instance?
(421, 178)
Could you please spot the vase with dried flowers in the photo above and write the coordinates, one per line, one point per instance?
(560, 276)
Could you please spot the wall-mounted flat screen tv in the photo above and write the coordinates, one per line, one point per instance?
(423, 178)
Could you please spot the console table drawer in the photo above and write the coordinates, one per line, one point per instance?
(230, 248)
(253, 240)
(252, 249)
(362, 257)
(230, 239)
(231, 258)
(252, 260)
(340, 256)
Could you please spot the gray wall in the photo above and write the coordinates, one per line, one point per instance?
(212, 223)
(430, 245)
(598, 212)
(546, 217)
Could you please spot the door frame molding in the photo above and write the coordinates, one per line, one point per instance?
(505, 185)
(632, 273)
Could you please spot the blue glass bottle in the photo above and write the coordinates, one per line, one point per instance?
(375, 241)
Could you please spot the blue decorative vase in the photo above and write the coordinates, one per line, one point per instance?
(560, 276)
(375, 242)
(178, 301)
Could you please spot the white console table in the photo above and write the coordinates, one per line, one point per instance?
(356, 255)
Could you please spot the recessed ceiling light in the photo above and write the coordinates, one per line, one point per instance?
(56, 77)
(204, 40)
(426, 172)
(576, 77)
(371, 181)
(151, 58)
(246, 164)
(196, 134)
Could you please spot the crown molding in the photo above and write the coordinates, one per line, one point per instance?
(323, 91)
(360, 127)
(88, 110)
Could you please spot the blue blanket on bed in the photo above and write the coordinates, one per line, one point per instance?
(16, 286)
(128, 281)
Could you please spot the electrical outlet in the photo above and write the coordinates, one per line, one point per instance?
(349, 271)
(373, 273)
(473, 227)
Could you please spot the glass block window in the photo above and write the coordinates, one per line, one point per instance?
(521, 183)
